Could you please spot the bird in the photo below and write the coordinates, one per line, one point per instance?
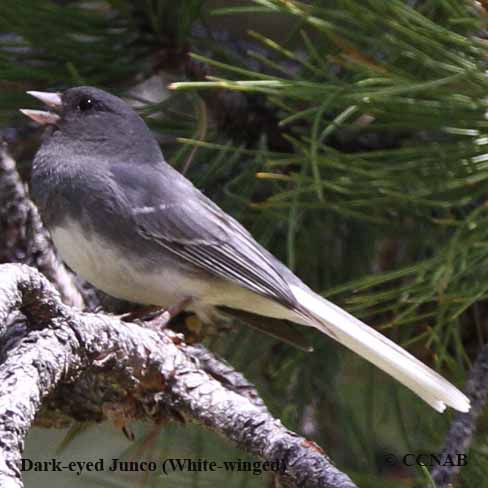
(136, 228)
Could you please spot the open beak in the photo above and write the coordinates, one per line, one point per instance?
(52, 100)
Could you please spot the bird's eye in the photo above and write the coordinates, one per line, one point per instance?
(85, 104)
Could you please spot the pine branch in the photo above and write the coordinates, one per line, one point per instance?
(463, 428)
(148, 374)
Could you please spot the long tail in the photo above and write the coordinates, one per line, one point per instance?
(388, 356)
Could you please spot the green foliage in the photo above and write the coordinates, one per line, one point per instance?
(51, 44)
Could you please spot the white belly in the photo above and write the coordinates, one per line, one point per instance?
(105, 267)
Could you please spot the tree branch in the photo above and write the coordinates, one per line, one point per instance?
(149, 374)
(460, 435)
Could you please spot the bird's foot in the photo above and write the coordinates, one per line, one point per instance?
(154, 316)
(162, 319)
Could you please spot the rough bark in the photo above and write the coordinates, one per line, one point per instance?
(460, 435)
(148, 374)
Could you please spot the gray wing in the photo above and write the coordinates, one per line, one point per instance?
(167, 209)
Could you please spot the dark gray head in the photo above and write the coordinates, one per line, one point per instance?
(92, 122)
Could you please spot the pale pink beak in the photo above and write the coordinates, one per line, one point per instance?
(52, 100)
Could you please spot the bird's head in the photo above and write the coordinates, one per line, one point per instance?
(88, 117)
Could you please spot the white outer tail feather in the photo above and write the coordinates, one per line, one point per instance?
(382, 352)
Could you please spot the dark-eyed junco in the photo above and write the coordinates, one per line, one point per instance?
(137, 229)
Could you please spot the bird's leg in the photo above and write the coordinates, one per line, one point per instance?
(161, 320)
(156, 316)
